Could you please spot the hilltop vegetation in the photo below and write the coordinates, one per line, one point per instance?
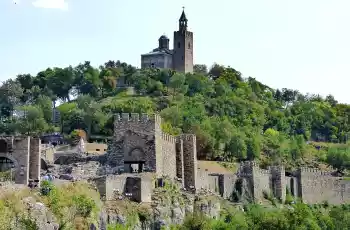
(234, 118)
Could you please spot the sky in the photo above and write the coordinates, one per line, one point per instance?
(297, 44)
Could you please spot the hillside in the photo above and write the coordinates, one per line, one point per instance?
(234, 118)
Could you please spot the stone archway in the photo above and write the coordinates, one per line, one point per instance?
(135, 161)
(8, 167)
(137, 154)
(6, 164)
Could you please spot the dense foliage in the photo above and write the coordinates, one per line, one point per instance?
(299, 216)
(234, 118)
(256, 217)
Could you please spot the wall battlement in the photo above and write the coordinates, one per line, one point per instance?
(133, 117)
(262, 171)
(315, 171)
(276, 168)
(242, 174)
(188, 137)
(248, 164)
(168, 138)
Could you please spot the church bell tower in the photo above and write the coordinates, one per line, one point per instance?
(183, 47)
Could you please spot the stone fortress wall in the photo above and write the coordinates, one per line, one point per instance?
(176, 158)
(138, 140)
(316, 186)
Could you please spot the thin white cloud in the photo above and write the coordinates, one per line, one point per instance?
(51, 4)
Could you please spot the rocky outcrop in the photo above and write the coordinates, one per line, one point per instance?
(166, 212)
(41, 215)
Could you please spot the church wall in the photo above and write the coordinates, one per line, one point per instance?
(168, 61)
(161, 60)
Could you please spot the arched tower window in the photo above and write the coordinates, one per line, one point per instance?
(189, 45)
(178, 45)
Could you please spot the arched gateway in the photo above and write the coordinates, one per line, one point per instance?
(22, 154)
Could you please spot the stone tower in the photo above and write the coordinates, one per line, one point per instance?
(183, 47)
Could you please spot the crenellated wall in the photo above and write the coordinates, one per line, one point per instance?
(316, 186)
(137, 137)
(138, 140)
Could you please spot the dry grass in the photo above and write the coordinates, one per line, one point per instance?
(216, 167)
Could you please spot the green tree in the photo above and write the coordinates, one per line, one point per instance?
(32, 121)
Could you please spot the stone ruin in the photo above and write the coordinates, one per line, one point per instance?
(140, 155)
(139, 149)
(23, 155)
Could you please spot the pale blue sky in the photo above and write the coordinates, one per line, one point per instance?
(299, 44)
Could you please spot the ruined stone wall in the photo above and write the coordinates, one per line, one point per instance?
(133, 188)
(278, 182)
(147, 187)
(114, 184)
(292, 186)
(139, 186)
(246, 172)
(100, 183)
(345, 191)
(190, 160)
(207, 180)
(262, 180)
(158, 145)
(20, 153)
(35, 158)
(48, 154)
(135, 131)
(169, 155)
(317, 186)
(227, 186)
(180, 160)
(257, 180)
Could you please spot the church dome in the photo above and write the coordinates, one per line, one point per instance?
(163, 37)
(163, 42)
